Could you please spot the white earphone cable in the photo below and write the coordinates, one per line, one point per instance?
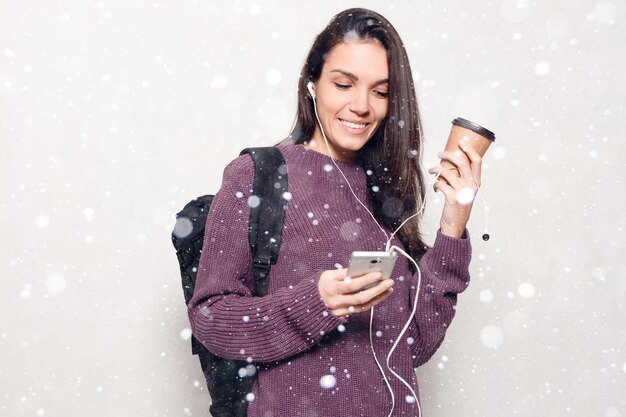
(341, 172)
(388, 248)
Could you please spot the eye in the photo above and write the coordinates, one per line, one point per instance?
(342, 86)
(381, 94)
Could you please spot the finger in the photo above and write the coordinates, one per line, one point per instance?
(475, 162)
(353, 284)
(340, 274)
(346, 311)
(363, 297)
(376, 300)
(444, 187)
(451, 177)
(460, 160)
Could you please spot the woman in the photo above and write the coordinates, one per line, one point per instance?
(357, 138)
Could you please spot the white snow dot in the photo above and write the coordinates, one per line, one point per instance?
(604, 12)
(401, 124)
(542, 68)
(183, 227)
(624, 367)
(444, 358)
(242, 373)
(409, 399)
(526, 290)
(185, 334)
(254, 201)
(41, 412)
(599, 273)
(254, 9)
(309, 215)
(42, 221)
(55, 283)
(328, 381)
(491, 336)
(219, 81)
(246, 319)
(328, 167)
(465, 196)
(88, 214)
(250, 397)
(612, 412)
(287, 196)
(341, 328)
(499, 153)
(486, 296)
(379, 333)
(238, 194)
(410, 340)
(273, 76)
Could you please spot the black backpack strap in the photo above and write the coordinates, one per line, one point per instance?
(266, 218)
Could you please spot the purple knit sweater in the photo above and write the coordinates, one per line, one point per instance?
(313, 363)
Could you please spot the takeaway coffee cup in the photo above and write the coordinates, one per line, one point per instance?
(471, 134)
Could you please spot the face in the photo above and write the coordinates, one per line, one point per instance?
(351, 97)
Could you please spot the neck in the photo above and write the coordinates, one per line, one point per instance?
(318, 144)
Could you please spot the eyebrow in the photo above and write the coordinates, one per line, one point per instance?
(355, 78)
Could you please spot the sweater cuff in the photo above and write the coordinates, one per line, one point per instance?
(450, 254)
(313, 317)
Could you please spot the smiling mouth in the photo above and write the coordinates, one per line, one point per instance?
(352, 125)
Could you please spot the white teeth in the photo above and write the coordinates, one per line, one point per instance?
(353, 125)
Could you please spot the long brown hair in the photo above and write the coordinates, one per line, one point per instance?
(392, 157)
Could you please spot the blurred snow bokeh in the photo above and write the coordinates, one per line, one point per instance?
(115, 114)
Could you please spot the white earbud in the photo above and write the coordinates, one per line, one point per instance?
(311, 89)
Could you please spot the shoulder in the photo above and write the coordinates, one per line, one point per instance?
(239, 174)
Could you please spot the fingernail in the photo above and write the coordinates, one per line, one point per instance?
(378, 275)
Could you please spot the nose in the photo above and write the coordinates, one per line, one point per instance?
(360, 102)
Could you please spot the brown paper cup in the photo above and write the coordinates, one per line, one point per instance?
(473, 135)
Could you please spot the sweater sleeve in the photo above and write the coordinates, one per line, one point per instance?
(224, 315)
(444, 274)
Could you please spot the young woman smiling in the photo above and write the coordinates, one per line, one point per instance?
(354, 178)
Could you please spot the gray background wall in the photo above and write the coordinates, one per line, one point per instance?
(113, 114)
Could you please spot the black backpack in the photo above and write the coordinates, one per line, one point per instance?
(230, 381)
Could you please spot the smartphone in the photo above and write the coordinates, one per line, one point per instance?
(364, 262)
